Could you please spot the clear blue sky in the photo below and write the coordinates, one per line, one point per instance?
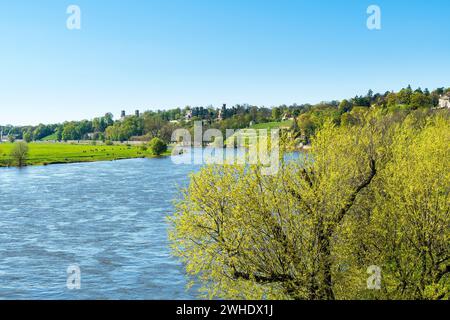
(169, 53)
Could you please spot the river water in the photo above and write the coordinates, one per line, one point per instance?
(107, 218)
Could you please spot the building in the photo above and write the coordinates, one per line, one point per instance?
(222, 112)
(287, 116)
(4, 136)
(123, 115)
(188, 115)
(444, 101)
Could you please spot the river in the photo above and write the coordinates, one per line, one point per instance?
(107, 218)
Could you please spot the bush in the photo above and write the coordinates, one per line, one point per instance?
(19, 153)
(108, 143)
(157, 146)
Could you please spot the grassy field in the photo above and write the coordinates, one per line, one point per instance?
(245, 133)
(52, 137)
(51, 153)
(272, 125)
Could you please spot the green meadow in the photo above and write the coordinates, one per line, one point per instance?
(273, 125)
(52, 153)
(246, 133)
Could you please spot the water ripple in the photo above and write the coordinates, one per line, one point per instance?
(106, 217)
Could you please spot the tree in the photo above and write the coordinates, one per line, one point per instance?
(420, 100)
(152, 125)
(253, 236)
(361, 101)
(405, 227)
(11, 138)
(108, 118)
(19, 153)
(27, 137)
(157, 146)
(369, 95)
(84, 127)
(70, 132)
(404, 96)
(307, 126)
(59, 132)
(345, 106)
(166, 132)
(373, 193)
(391, 100)
(121, 131)
(276, 114)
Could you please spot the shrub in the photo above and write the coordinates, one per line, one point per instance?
(157, 146)
(19, 153)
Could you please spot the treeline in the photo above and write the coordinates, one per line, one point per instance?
(311, 118)
(307, 118)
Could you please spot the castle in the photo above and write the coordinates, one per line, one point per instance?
(123, 115)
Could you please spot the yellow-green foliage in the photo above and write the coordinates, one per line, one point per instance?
(375, 193)
(408, 230)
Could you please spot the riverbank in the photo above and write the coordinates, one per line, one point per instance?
(56, 153)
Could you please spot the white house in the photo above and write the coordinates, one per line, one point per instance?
(4, 135)
(287, 116)
(188, 115)
(444, 101)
